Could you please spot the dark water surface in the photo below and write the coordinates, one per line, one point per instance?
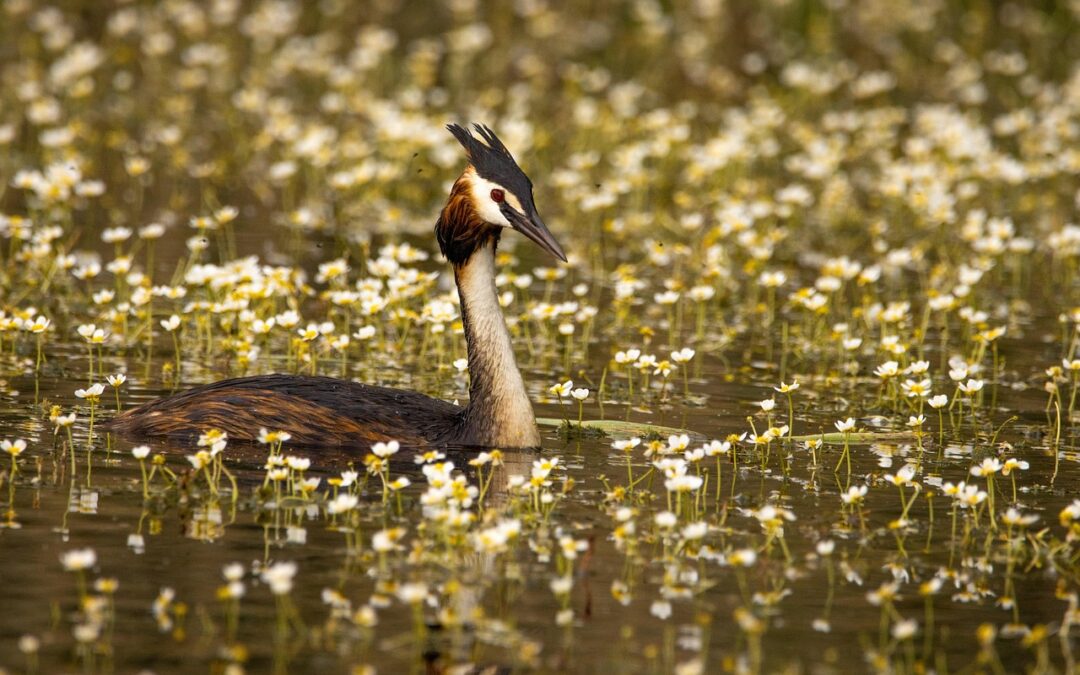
(58, 503)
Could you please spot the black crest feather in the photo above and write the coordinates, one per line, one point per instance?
(492, 160)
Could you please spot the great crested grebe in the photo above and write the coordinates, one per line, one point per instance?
(493, 193)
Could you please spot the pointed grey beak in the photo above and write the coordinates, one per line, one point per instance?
(532, 227)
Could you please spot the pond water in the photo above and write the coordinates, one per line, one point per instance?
(773, 201)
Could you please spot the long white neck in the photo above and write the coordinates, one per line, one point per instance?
(499, 412)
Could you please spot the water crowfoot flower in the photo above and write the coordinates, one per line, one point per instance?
(92, 395)
(901, 479)
(495, 459)
(78, 561)
(788, 390)
(853, 498)
(13, 448)
(141, 452)
(38, 327)
(172, 326)
(938, 402)
(275, 439)
(717, 449)
(683, 357)
(414, 594)
(378, 463)
(279, 577)
(116, 381)
(626, 446)
(987, 469)
(230, 594)
(845, 427)
(579, 395)
(628, 358)
(561, 389)
(813, 445)
(1010, 468)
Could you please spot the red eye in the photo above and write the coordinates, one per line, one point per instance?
(498, 196)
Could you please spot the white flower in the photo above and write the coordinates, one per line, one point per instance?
(279, 577)
(171, 324)
(1012, 464)
(412, 593)
(562, 585)
(683, 355)
(854, 494)
(902, 630)
(140, 451)
(626, 444)
(13, 448)
(267, 437)
(385, 541)
(887, 369)
(678, 443)
(342, 504)
(78, 559)
(918, 367)
(39, 325)
(661, 609)
(851, 343)
(233, 572)
(580, 393)
(903, 476)
(29, 644)
(844, 426)
(695, 530)
(92, 392)
(1014, 517)
(665, 520)
(744, 557)
(716, 448)
(971, 386)
(772, 279)
(561, 389)
(989, 467)
(384, 450)
(683, 482)
(938, 401)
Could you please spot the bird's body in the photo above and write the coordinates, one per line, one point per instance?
(492, 193)
(313, 410)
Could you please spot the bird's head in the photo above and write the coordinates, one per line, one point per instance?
(493, 193)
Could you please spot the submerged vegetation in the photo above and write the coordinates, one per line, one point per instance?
(808, 385)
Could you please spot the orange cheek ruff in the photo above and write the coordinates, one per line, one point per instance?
(460, 230)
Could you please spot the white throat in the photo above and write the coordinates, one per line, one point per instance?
(499, 407)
